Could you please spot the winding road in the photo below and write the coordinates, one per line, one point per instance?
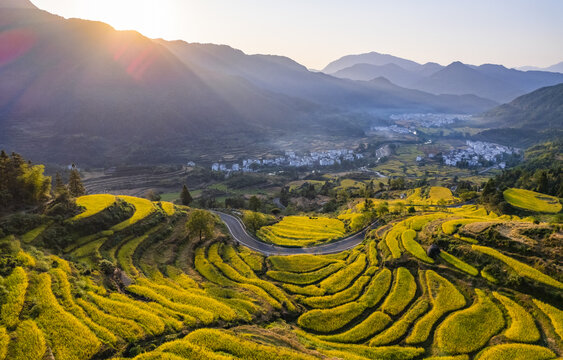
(239, 234)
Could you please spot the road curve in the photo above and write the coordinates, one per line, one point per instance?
(239, 234)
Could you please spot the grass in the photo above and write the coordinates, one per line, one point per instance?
(93, 204)
(412, 246)
(373, 324)
(339, 298)
(470, 329)
(15, 286)
(402, 292)
(520, 268)
(532, 201)
(68, 338)
(143, 208)
(302, 231)
(522, 326)
(305, 278)
(460, 264)
(444, 298)
(555, 316)
(299, 263)
(516, 352)
(28, 342)
(400, 327)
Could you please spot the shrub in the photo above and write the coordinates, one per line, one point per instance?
(400, 327)
(412, 246)
(460, 264)
(27, 342)
(252, 258)
(444, 297)
(372, 253)
(373, 324)
(402, 292)
(309, 290)
(168, 207)
(339, 298)
(520, 268)
(16, 286)
(4, 341)
(450, 227)
(377, 288)
(522, 326)
(516, 352)
(305, 278)
(469, 330)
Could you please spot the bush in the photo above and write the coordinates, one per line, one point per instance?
(305, 278)
(554, 314)
(516, 352)
(16, 286)
(522, 326)
(412, 246)
(28, 342)
(401, 326)
(339, 298)
(461, 265)
(342, 278)
(373, 324)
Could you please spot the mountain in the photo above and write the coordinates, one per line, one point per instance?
(372, 58)
(553, 68)
(16, 4)
(539, 110)
(71, 88)
(494, 82)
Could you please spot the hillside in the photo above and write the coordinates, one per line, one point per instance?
(538, 110)
(65, 82)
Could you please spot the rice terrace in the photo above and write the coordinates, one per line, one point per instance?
(165, 196)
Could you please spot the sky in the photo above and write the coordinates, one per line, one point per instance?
(315, 32)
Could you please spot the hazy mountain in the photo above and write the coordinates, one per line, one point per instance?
(372, 58)
(539, 110)
(491, 81)
(553, 68)
(17, 4)
(73, 88)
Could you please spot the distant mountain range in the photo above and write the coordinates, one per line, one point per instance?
(80, 91)
(494, 82)
(553, 68)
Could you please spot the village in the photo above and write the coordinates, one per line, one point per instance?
(291, 159)
(479, 153)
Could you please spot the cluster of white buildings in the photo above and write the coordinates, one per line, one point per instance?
(477, 152)
(430, 120)
(291, 159)
(394, 128)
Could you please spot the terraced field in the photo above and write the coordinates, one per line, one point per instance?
(162, 295)
(532, 201)
(302, 231)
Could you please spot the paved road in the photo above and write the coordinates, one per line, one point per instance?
(239, 234)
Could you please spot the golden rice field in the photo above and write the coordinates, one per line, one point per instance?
(302, 231)
(532, 201)
(175, 299)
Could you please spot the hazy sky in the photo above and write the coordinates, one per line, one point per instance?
(315, 32)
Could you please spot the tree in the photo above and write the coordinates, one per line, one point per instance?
(200, 222)
(254, 203)
(368, 205)
(382, 209)
(254, 221)
(185, 196)
(75, 186)
(60, 187)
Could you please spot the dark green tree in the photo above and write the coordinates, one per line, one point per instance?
(60, 187)
(75, 186)
(254, 203)
(200, 222)
(185, 196)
